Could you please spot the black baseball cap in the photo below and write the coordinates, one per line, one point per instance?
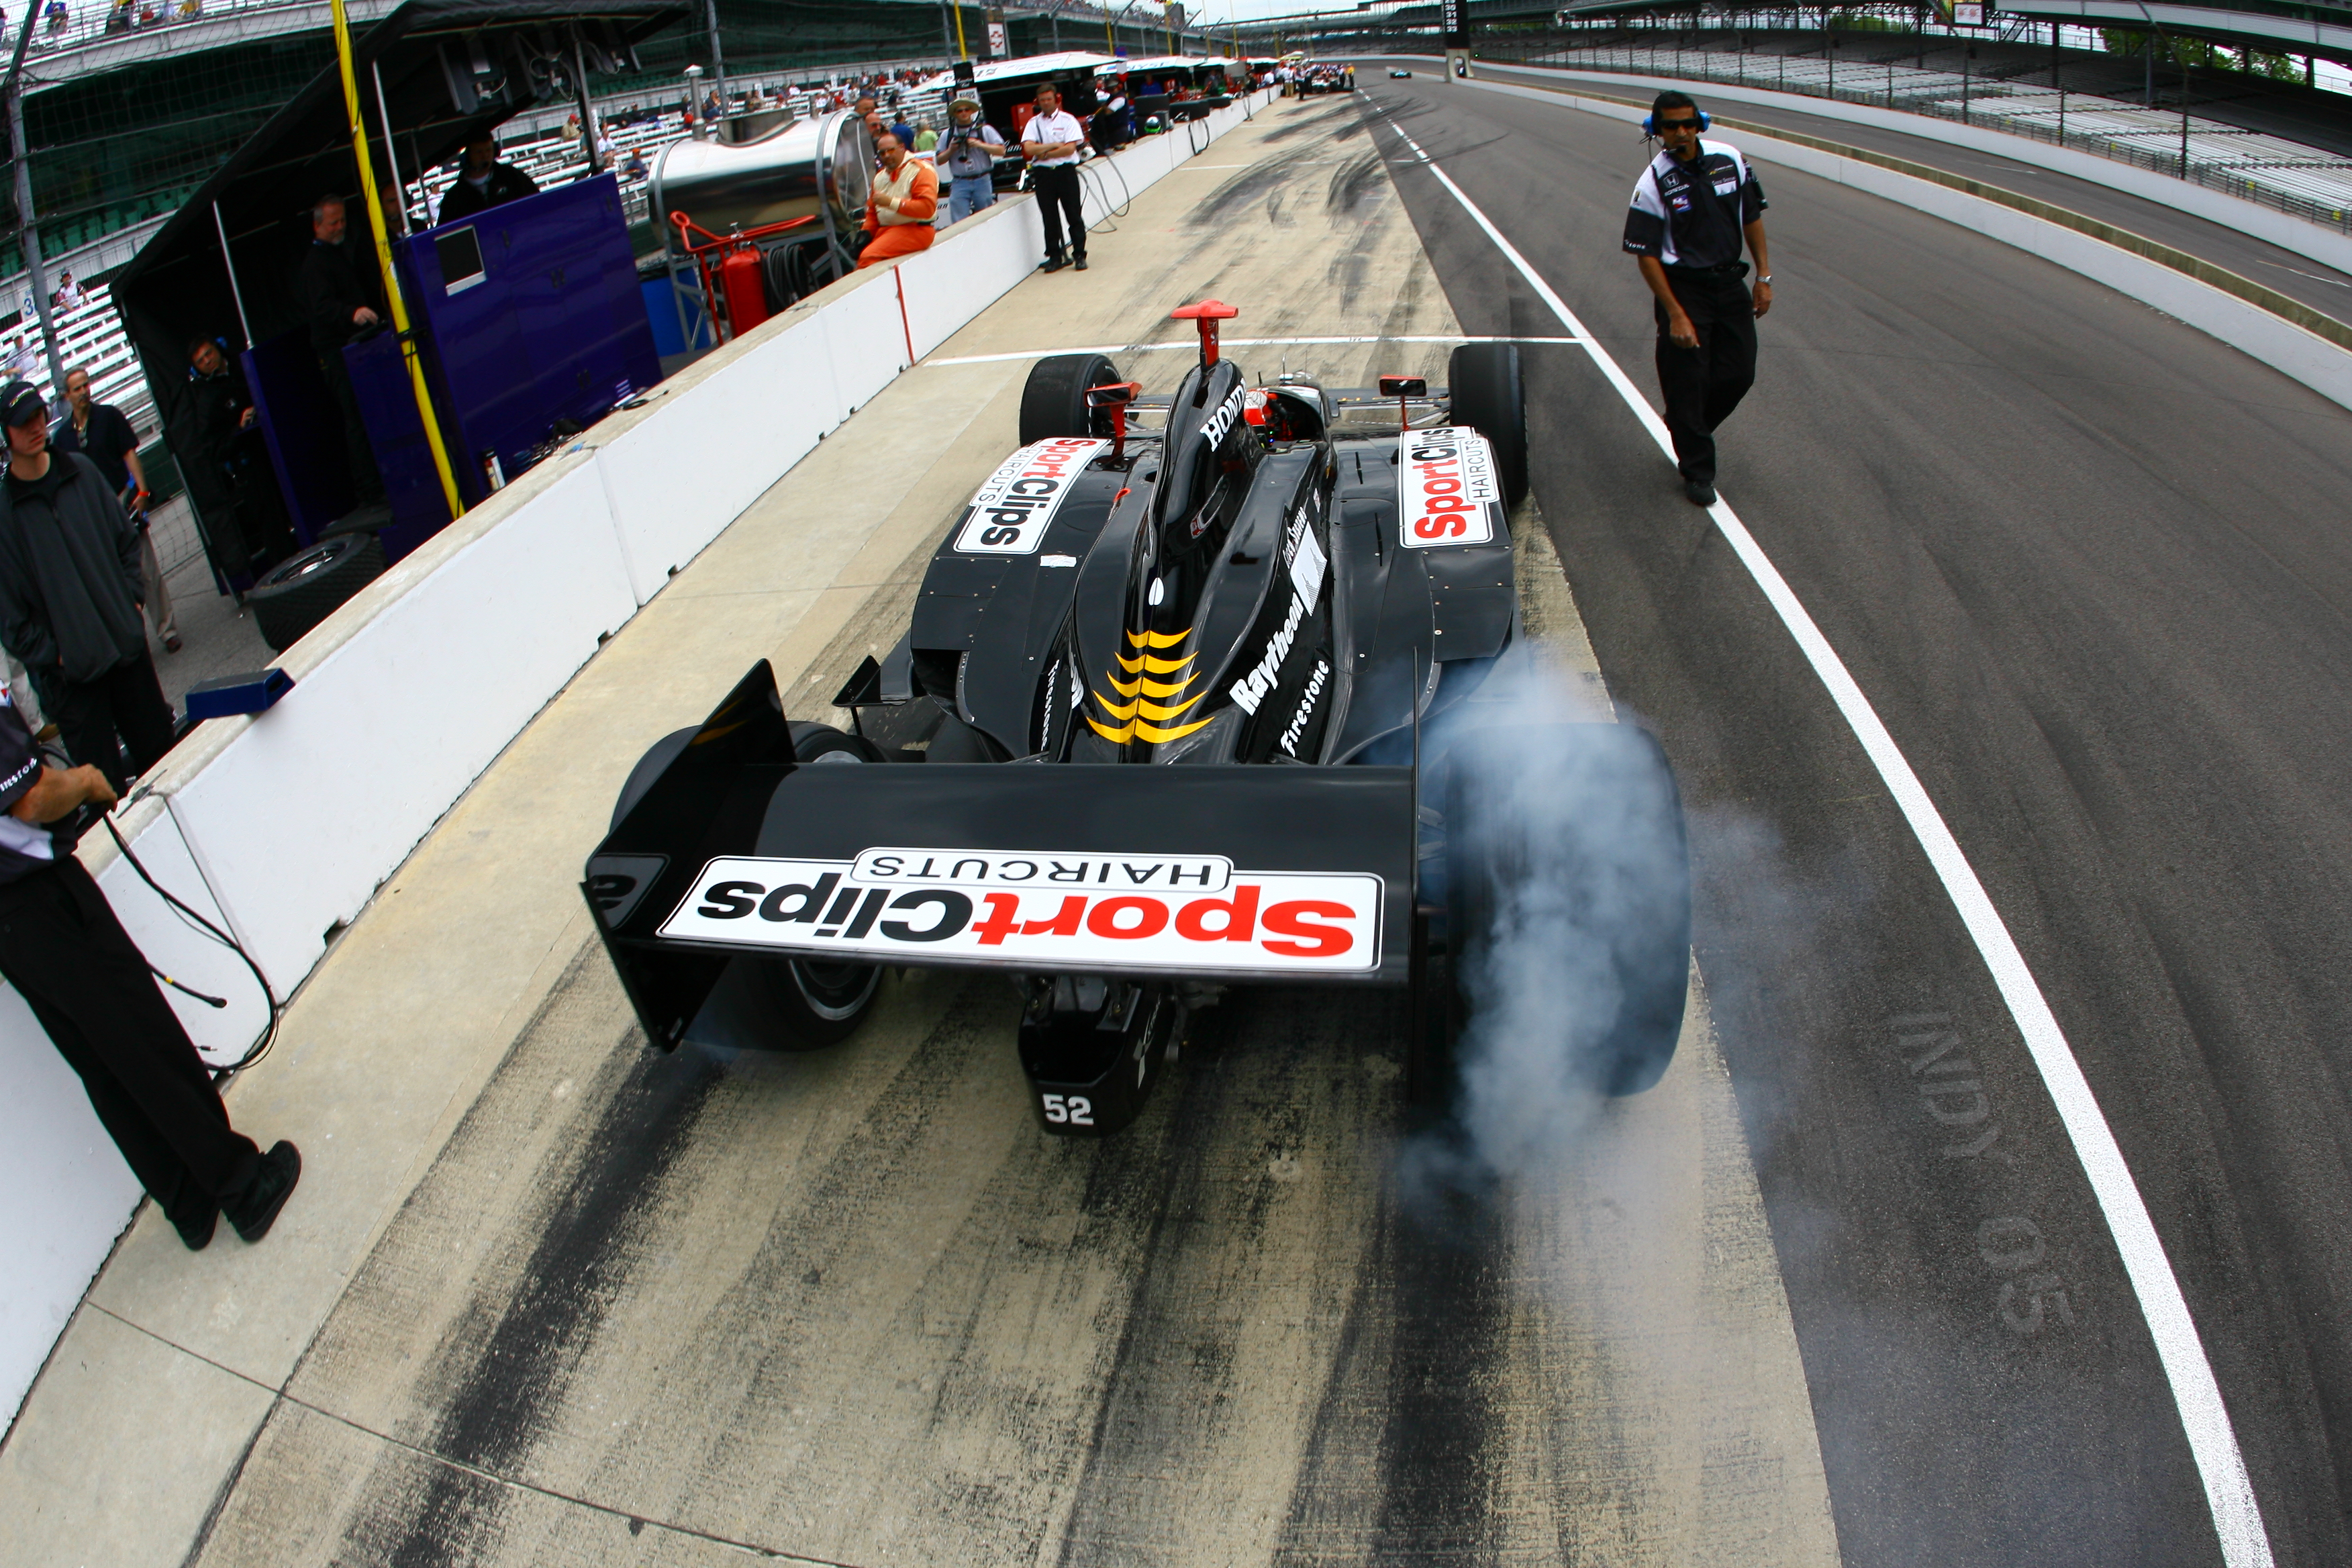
(21, 402)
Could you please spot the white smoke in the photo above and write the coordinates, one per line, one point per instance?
(1576, 979)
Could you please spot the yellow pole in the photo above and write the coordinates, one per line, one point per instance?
(962, 51)
(383, 260)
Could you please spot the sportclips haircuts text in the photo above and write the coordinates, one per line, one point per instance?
(1040, 911)
(1446, 490)
(1010, 512)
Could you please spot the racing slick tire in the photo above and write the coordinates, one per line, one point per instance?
(299, 592)
(1484, 388)
(819, 1004)
(1053, 403)
(811, 743)
(808, 1006)
(1568, 901)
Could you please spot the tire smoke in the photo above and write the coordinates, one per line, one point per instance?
(1568, 911)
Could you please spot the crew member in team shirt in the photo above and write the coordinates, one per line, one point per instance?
(1692, 207)
(1051, 142)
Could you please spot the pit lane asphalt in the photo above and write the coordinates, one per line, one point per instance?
(2090, 568)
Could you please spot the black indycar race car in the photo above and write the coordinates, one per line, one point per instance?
(1200, 691)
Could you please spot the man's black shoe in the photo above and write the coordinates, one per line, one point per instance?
(1701, 493)
(273, 1183)
(1053, 264)
(196, 1230)
(1080, 264)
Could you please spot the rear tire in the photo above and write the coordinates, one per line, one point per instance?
(658, 756)
(814, 1005)
(1053, 403)
(1567, 861)
(817, 1003)
(1486, 393)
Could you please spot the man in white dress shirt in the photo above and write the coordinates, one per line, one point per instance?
(1051, 142)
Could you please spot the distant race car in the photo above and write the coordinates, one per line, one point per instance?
(1196, 693)
(1400, 76)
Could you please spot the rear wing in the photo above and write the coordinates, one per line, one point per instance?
(1217, 872)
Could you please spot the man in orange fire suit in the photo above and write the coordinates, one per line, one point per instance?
(906, 197)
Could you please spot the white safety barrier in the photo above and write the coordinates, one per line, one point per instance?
(281, 828)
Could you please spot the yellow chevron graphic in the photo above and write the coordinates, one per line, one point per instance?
(1152, 687)
(1148, 709)
(1155, 666)
(1140, 717)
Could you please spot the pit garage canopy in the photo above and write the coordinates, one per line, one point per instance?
(451, 69)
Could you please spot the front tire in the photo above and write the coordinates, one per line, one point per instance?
(1054, 402)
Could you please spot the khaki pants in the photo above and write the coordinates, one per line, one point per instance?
(20, 692)
(158, 597)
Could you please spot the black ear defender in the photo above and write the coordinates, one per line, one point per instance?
(1650, 122)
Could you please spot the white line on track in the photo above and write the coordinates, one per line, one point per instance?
(2204, 1419)
(1231, 343)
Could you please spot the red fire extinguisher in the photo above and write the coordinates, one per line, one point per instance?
(747, 293)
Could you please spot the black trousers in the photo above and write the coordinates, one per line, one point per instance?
(125, 703)
(1702, 386)
(1059, 200)
(366, 484)
(69, 958)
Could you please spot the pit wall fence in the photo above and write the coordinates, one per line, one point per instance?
(280, 827)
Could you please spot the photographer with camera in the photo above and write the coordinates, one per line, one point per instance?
(967, 155)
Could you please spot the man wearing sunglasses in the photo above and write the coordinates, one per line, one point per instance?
(1692, 208)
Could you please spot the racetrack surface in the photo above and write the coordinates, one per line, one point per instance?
(2312, 283)
(2089, 567)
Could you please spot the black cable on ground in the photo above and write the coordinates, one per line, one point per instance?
(268, 1034)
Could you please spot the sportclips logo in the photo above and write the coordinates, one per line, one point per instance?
(1447, 492)
(1009, 513)
(1041, 911)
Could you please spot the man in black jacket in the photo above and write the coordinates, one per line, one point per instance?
(86, 981)
(70, 598)
(484, 183)
(338, 292)
(99, 432)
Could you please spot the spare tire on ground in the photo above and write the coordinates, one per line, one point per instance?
(307, 588)
(359, 519)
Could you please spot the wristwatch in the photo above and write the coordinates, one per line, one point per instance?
(1763, 277)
